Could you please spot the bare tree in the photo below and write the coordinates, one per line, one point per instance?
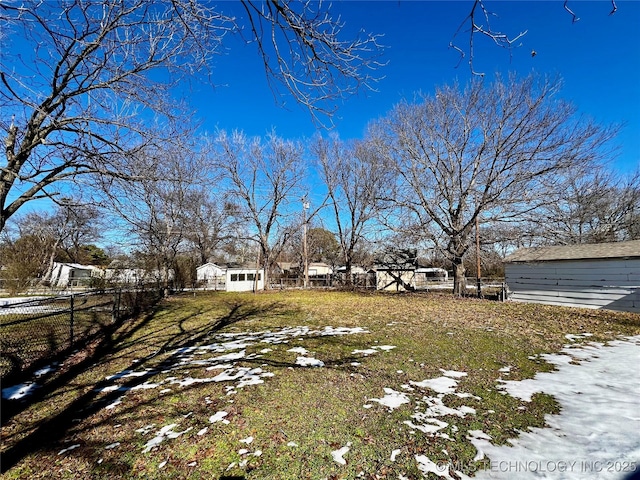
(155, 207)
(596, 206)
(263, 178)
(491, 152)
(23, 261)
(62, 232)
(211, 220)
(355, 182)
(83, 81)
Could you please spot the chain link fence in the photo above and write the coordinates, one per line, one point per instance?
(37, 329)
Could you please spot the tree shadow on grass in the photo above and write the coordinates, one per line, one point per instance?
(113, 341)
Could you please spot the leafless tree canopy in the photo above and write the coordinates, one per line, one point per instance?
(263, 178)
(596, 206)
(494, 151)
(87, 83)
(355, 182)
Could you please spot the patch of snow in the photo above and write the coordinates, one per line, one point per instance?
(439, 385)
(437, 408)
(112, 446)
(429, 425)
(392, 399)
(247, 440)
(338, 455)
(481, 441)
(146, 429)
(219, 417)
(597, 427)
(385, 348)
(395, 453)
(426, 466)
(114, 404)
(309, 362)
(44, 371)
(453, 373)
(128, 373)
(203, 431)
(68, 449)
(292, 444)
(18, 392)
(368, 351)
(145, 386)
(300, 350)
(164, 433)
(573, 337)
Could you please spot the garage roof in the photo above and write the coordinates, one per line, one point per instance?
(576, 252)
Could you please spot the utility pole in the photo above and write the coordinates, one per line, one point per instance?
(478, 274)
(305, 259)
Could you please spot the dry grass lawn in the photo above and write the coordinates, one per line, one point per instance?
(157, 417)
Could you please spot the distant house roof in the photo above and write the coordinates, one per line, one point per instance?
(576, 252)
(209, 265)
(243, 266)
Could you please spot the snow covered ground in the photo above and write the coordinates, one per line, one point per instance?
(596, 434)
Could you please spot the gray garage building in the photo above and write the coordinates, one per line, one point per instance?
(602, 275)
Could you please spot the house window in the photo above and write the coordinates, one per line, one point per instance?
(234, 277)
(251, 277)
(241, 277)
(259, 277)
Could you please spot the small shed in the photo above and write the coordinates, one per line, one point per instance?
(243, 279)
(398, 278)
(210, 275)
(602, 275)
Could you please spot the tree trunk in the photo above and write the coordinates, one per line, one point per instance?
(459, 279)
(348, 278)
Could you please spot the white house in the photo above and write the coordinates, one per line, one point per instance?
(65, 275)
(243, 279)
(211, 275)
(603, 275)
(319, 268)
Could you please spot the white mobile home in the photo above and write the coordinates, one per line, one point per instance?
(211, 275)
(243, 279)
(603, 275)
(65, 275)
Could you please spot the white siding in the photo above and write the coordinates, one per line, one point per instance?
(612, 284)
(243, 280)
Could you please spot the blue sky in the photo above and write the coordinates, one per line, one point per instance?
(598, 58)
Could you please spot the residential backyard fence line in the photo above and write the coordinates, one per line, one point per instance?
(38, 329)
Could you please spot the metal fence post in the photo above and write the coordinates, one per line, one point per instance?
(71, 321)
(115, 316)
